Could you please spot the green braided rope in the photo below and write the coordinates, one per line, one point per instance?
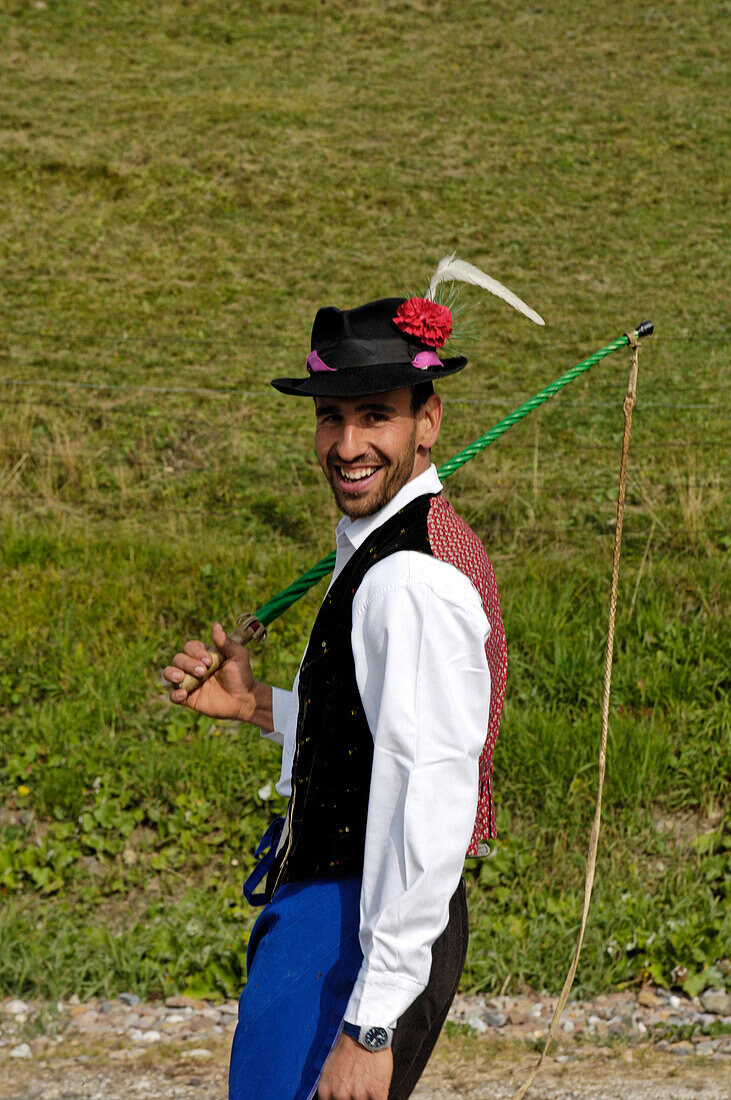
(527, 407)
(284, 599)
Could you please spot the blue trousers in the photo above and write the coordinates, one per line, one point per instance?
(302, 961)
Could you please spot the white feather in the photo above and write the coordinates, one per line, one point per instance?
(450, 269)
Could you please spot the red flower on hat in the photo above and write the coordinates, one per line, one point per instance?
(427, 321)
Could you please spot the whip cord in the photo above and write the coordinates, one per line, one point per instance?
(629, 404)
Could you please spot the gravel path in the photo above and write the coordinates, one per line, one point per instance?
(622, 1046)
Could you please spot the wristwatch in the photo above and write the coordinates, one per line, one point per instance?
(370, 1036)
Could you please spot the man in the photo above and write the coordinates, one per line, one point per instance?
(387, 737)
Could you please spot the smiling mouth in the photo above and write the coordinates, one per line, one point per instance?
(360, 477)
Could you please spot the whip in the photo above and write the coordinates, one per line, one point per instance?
(251, 628)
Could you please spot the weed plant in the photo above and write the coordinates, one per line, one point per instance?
(184, 186)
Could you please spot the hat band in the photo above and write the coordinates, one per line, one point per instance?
(315, 363)
(424, 359)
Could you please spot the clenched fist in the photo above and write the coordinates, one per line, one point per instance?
(231, 692)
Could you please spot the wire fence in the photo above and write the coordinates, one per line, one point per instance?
(162, 463)
(518, 529)
(227, 391)
(167, 464)
(156, 485)
(257, 348)
(228, 335)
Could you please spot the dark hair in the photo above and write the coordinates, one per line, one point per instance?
(420, 394)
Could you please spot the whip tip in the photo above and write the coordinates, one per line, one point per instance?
(645, 328)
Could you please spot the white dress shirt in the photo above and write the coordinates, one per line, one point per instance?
(418, 637)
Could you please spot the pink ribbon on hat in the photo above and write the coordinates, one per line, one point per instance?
(424, 359)
(315, 363)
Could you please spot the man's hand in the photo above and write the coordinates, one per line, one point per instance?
(354, 1073)
(232, 691)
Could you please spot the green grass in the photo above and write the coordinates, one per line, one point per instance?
(184, 186)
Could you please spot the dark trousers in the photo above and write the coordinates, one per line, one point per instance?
(419, 1027)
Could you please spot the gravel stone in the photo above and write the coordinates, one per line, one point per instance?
(494, 1019)
(86, 1020)
(477, 1024)
(197, 1023)
(717, 1001)
(179, 1001)
(132, 1030)
(681, 1048)
(141, 1052)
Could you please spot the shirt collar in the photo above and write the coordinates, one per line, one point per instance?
(356, 531)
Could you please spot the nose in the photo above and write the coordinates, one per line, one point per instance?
(351, 444)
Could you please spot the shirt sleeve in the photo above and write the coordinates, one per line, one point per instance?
(282, 704)
(419, 633)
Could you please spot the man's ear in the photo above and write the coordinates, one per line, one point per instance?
(428, 422)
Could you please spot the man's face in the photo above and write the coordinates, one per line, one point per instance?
(369, 447)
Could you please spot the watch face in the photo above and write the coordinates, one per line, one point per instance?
(376, 1037)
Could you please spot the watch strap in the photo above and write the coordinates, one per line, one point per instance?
(371, 1036)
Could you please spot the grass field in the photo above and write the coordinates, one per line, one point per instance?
(183, 185)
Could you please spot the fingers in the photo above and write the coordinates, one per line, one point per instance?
(185, 676)
(198, 651)
(174, 676)
(220, 637)
(197, 659)
(225, 644)
(194, 661)
(187, 671)
(182, 663)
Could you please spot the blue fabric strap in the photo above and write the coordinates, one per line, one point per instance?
(264, 855)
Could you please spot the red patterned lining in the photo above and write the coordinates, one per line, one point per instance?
(451, 540)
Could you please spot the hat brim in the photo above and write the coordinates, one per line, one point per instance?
(359, 381)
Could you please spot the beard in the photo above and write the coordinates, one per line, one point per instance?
(393, 475)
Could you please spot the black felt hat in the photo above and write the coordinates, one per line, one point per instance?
(361, 351)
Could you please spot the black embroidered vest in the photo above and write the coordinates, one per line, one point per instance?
(324, 834)
(331, 771)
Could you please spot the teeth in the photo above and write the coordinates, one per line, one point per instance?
(357, 475)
